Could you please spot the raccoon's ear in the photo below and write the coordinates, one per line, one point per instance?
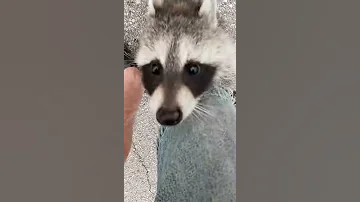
(153, 5)
(208, 9)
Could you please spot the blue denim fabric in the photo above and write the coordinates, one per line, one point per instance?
(197, 158)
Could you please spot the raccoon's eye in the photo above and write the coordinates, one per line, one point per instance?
(194, 69)
(155, 69)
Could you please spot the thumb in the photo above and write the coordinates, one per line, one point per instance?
(133, 89)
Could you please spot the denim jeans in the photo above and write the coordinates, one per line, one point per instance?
(197, 158)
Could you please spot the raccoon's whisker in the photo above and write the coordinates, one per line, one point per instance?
(202, 106)
(196, 114)
(202, 114)
(200, 110)
(204, 110)
(205, 106)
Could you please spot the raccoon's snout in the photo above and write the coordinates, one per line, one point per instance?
(169, 116)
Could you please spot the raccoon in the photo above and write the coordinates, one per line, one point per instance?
(183, 53)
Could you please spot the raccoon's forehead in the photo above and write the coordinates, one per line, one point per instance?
(153, 48)
(216, 49)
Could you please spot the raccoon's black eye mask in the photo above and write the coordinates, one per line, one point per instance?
(198, 76)
(152, 75)
(195, 75)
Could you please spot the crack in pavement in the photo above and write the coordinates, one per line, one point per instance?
(141, 160)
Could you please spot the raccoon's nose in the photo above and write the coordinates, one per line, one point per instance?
(166, 116)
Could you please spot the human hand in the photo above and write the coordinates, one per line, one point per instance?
(133, 91)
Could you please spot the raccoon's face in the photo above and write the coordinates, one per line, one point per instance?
(180, 55)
